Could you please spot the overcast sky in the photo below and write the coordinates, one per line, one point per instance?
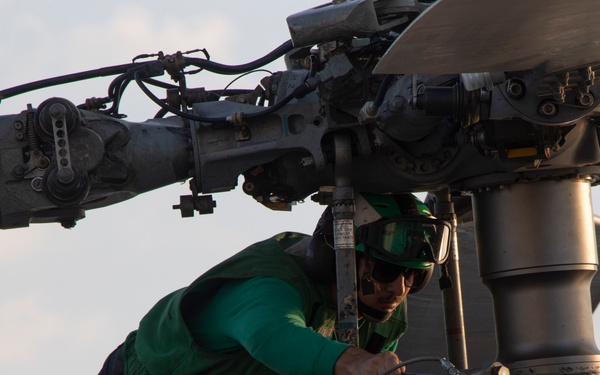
(69, 297)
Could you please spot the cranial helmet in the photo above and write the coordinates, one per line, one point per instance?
(397, 229)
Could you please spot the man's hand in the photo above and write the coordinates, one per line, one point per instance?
(355, 361)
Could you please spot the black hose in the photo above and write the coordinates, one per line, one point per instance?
(118, 85)
(266, 111)
(410, 361)
(237, 69)
(157, 83)
(228, 92)
(115, 92)
(385, 83)
(168, 108)
(69, 78)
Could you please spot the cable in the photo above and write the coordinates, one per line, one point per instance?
(385, 83)
(130, 71)
(414, 360)
(245, 74)
(237, 69)
(157, 83)
(229, 92)
(300, 90)
(69, 78)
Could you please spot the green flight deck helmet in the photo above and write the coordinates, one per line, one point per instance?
(400, 229)
(397, 230)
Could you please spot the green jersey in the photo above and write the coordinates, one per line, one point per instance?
(255, 313)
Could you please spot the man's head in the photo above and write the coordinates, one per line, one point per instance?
(397, 243)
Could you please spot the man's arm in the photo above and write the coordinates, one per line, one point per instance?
(264, 317)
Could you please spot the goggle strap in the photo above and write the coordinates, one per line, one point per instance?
(367, 284)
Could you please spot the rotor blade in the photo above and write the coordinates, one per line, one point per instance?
(473, 36)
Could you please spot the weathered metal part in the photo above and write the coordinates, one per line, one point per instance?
(344, 244)
(456, 340)
(329, 23)
(473, 36)
(537, 254)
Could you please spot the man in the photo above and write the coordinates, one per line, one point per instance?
(270, 309)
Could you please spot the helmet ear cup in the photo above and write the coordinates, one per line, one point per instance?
(423, 282)
(319, 260)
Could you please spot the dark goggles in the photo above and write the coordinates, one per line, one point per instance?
(407, 238)
(386, 273)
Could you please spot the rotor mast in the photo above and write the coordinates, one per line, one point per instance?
(537, 255)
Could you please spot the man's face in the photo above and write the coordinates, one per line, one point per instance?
(386, 298)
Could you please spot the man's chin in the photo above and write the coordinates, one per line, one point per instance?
(372, 314)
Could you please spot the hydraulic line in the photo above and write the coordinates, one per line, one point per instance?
(69, 78)
(385, 83)
(237, 69)
(443, 362)
(266, 111)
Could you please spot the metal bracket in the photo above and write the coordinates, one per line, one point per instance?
(456, 341)
(343, 231)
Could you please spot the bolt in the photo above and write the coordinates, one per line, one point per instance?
(65, 175)
(18, 125)
(547, 109)
(371, 109)
(36, 184)
(58, 110)
(401, 162)
(68, 223)
(398, 104)
(515, 88)
(19, 136)
(19, 170)
(43, 163)
(248, 187)
(586, 100)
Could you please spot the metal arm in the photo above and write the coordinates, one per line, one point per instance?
(343, 225)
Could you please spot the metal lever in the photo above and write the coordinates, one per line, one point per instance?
(58, 114)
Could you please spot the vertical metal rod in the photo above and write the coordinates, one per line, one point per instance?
(343, 231)
(456, 342)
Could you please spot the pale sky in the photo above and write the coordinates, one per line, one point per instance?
(69, 297)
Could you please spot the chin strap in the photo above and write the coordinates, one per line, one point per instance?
(372, 314)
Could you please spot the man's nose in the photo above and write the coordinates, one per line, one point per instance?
(397, 286)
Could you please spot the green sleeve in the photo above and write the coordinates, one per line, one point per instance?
(391, 347)
(264, 316)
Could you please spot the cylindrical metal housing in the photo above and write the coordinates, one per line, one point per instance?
(537, 255)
